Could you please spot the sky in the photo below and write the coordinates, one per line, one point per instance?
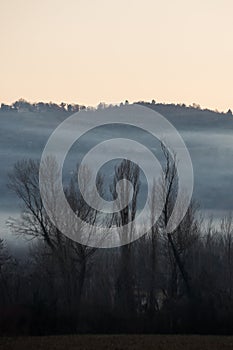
(90, 51)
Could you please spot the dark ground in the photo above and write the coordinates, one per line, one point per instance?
(117, 342)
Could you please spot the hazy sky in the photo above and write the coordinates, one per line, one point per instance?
(87, 51)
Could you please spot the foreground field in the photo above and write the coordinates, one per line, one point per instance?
(117, 342)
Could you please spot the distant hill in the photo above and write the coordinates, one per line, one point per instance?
(208, 135)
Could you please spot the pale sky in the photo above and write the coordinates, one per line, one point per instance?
(87, 51)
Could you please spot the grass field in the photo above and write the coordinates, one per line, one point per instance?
(117, 342)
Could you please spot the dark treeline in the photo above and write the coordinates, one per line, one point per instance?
(161, 283)
(22, 105)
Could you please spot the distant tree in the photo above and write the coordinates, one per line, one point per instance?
(53, 107)
(74, 108)
(229, 112)
(21, 105)
(5, 108)
(82, 107)
(102, 105)
(63, 106)
(69, 108)
(196, 106)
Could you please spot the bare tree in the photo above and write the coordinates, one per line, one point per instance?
(152, 246)
(227, 239)
(4, 259)
(125, 218)
(71, 257)
(177, 242)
